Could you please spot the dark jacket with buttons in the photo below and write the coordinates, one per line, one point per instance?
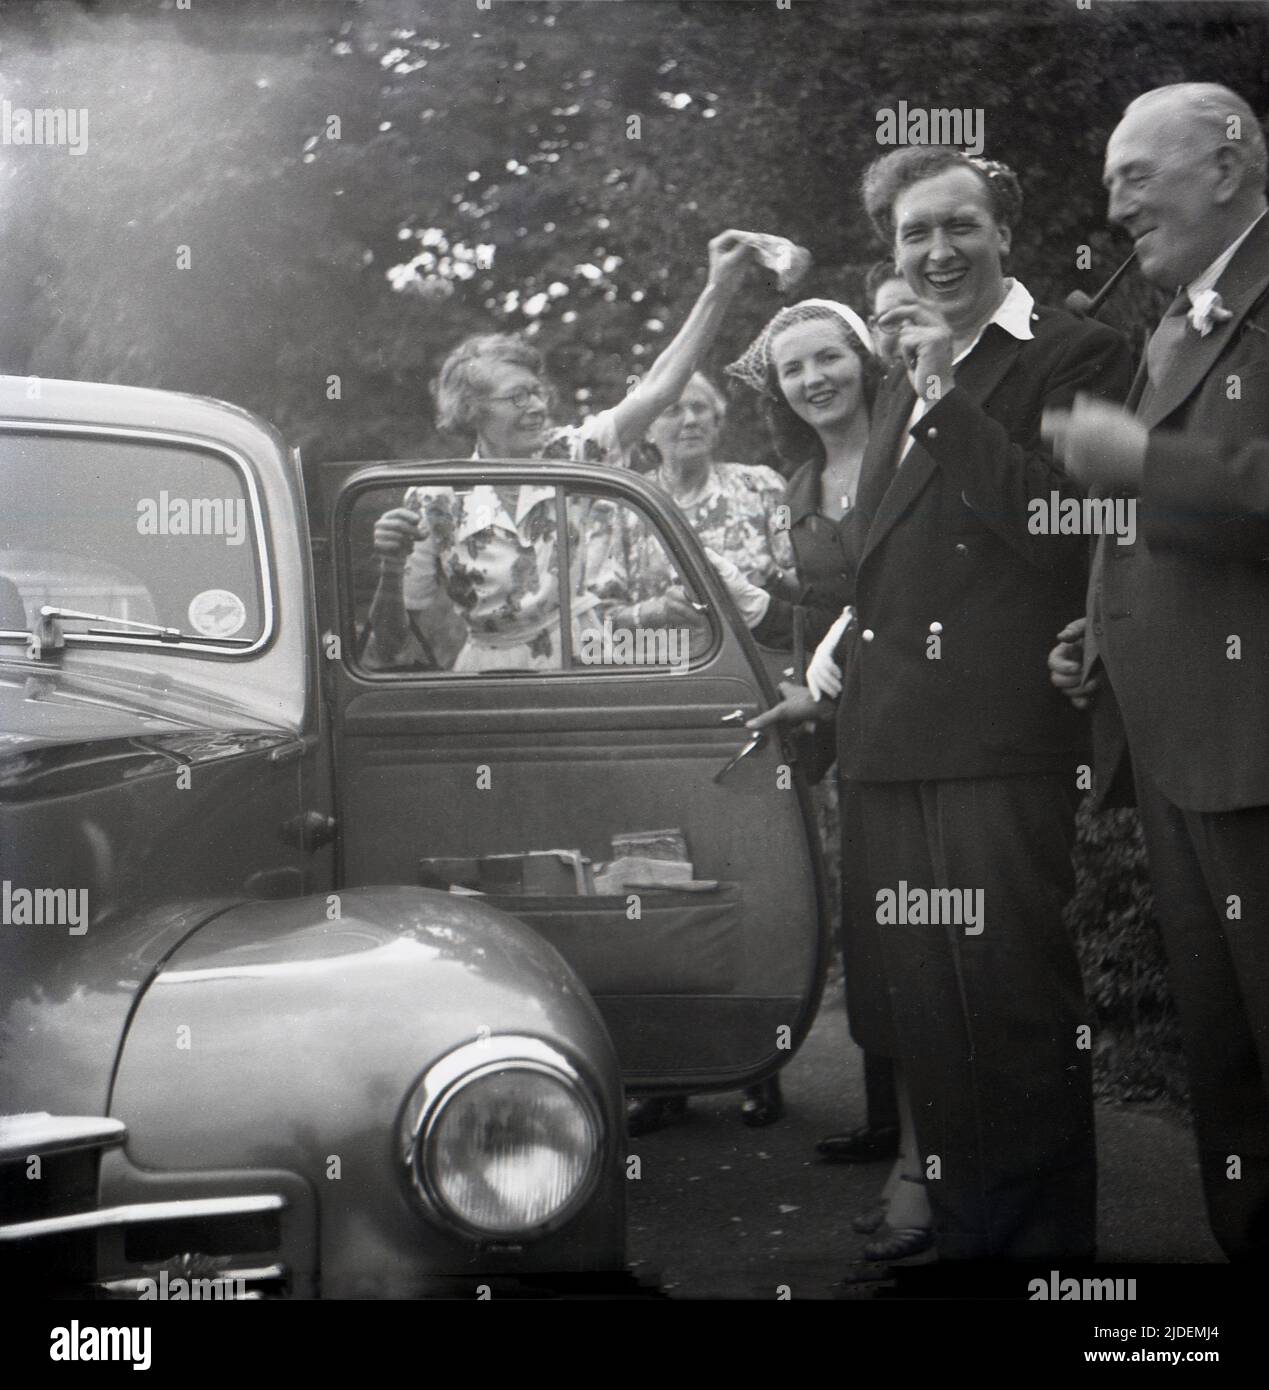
(958, 597)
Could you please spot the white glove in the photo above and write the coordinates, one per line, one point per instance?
(823, 675)
(752, 601)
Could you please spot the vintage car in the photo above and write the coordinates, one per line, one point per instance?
(240, 1040)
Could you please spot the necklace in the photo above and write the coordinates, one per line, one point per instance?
(829, 488)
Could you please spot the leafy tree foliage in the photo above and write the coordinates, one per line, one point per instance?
(302, 151)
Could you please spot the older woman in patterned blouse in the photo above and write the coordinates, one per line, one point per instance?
(734, 508)
(487, 554)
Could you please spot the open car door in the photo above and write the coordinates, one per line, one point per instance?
(608, 720)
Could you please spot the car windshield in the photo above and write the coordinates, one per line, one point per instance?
(126, 533)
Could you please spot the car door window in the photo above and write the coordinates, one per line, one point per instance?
(480, 593)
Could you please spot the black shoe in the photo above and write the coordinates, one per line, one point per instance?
(646, 1113)
(763, 1103)
(869, 1222)
(894, 1244)
(910, 1257)
(861, 1145)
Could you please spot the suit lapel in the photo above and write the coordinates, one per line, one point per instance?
(981, 372)
(978, 376)
(1137, 395)
(1244, 280)
(894, 406)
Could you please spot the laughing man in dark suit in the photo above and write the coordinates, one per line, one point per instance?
(1178, 622)
(958, 761)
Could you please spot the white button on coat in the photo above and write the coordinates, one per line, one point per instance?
(867, 634)
(936, 627)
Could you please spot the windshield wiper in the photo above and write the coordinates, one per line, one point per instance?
(48, 635)
(167, 634)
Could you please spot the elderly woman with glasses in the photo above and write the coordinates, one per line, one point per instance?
(472, 573)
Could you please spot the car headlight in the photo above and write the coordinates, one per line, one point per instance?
(502, 1138)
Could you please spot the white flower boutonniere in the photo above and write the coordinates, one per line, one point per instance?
(1206, 311)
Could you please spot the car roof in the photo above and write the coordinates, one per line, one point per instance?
(87, 403)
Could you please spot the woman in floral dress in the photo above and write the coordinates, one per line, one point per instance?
(471, 575)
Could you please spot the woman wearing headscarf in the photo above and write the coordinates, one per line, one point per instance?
(816, 372)
(816, 368)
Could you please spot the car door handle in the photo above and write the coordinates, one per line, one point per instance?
(756, 740)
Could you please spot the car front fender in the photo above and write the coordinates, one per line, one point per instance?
(288, 1035)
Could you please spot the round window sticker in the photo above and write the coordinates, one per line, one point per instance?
(217, 613)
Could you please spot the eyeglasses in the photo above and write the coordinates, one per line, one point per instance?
(522, 395)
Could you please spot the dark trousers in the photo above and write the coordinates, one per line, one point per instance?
(881, 1100)
(863, 980)
(988, 1023)
(1210, 873)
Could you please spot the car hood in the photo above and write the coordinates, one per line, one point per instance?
(44, 708)
(51, 706)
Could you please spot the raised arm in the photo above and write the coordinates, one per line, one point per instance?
(729, 256)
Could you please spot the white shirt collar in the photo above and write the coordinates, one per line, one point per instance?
(1209, 277)
(478, 519)
(1013, 314)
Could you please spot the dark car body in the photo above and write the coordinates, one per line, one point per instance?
(237, 1039)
